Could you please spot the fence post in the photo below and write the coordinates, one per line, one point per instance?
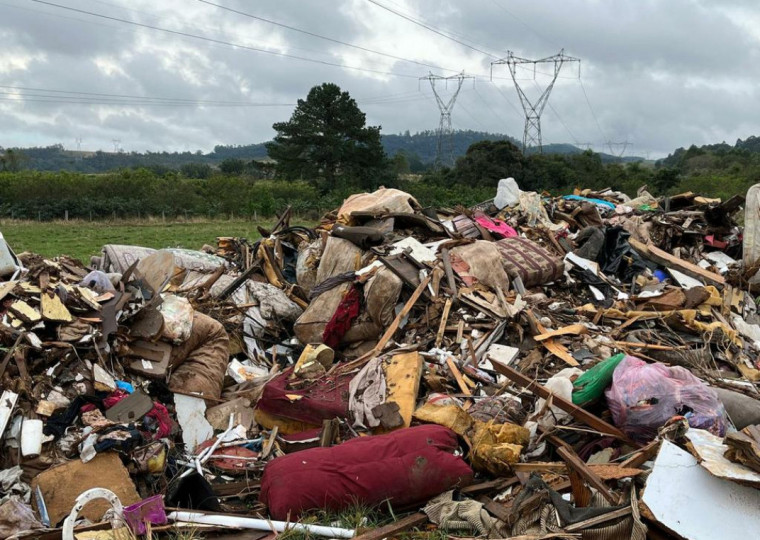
(163, 215)
(66, 215)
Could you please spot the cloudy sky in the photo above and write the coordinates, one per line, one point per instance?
(187, 75)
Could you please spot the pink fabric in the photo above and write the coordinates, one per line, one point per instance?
(495, 225)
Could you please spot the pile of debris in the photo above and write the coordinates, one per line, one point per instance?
(533, 367)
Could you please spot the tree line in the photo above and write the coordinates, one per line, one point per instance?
(325, 152)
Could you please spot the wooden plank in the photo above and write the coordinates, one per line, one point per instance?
(403, 313)
(460, 381)
(578, 465)
(602, 470)
(666, 259)
(576, 412)
(442, 326)
(449, 272)
(10, 352)
(557, 349)
(594, 521)
(573, 329)
(392, 529)
(642, 456)
(651, 346)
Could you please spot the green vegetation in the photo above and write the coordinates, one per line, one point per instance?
(327, 141)
(324, 153)
(81, 239)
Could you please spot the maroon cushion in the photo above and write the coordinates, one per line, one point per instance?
(324, 399)
(405, 467)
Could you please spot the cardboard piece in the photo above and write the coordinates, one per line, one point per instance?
(61, 485)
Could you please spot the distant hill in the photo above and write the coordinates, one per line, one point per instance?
(700, 154)
(419, 148)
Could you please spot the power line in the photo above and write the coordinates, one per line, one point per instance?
(506, 98)
(430, 28)
(590, 108)
(319, 36)
(526, 25)
(493, 111)
(223, 42)
(129, 96)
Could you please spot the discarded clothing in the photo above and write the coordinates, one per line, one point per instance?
(346, 312)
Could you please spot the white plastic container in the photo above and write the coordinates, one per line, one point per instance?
(31, 438)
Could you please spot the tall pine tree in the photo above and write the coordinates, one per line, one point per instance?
(326, 139)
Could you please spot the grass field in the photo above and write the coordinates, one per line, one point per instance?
(81, 239)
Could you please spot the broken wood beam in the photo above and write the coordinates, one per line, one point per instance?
(664, 258)
(594, 521)
(576, 412)
(575, 463)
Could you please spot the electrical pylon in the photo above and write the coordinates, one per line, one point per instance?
(532, 131)
(444, 151)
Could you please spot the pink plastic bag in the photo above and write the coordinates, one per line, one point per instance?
(643, 397)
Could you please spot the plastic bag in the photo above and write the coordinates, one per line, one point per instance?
(643, 397)
(178, 318)
(590, 386)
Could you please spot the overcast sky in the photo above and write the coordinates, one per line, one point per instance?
(659, 74)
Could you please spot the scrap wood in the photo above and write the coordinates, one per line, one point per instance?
(573, 329)
(446, 258)
(442, 325)
(557, 349)
(594, 521)
(670, 261)
(579, 466)
(576, 412)
(652, 346)
(460, 381)
(602, 470)
(386, 337)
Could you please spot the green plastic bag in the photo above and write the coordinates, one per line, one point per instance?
(591, 385)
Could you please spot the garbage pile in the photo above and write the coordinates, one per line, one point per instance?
(581, 366)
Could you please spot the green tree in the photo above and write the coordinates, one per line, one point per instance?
(196, 170)
(400, 164)
(488, 161)
(232, 166)
(11, 160)
(326, 139)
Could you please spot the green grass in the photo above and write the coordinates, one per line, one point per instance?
(81, 239)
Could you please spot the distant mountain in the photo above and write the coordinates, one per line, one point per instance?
(420, 148)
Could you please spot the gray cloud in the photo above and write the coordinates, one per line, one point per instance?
(662, 74)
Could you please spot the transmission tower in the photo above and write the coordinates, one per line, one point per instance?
(116, 143)
(444, 151)
(623, 145)
(533, 110)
